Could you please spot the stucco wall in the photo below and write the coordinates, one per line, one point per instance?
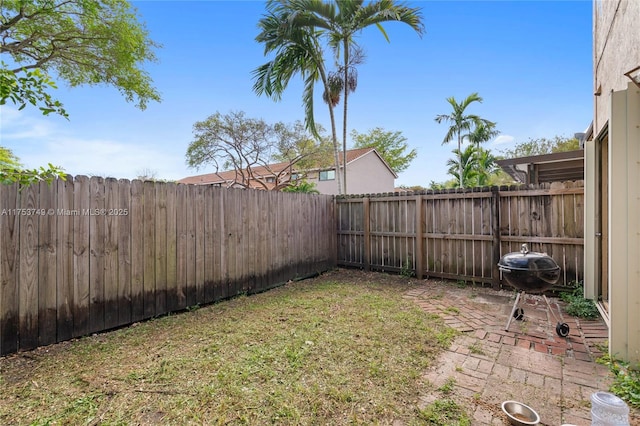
(365, 175)
(616, 50)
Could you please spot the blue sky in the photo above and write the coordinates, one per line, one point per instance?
(530, 61)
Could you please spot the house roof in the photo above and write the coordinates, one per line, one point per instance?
(231, 175)
(272, 169)
(556, 167)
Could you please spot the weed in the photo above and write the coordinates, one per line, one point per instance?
(406, 270)
(447, 387)
(439, 295)
(476, 349)
(444, 412)
(577, 305)
(452, 310)
(446, 336)
(626, 380)
(461, 283)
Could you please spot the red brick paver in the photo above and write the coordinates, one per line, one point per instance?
(529, 362)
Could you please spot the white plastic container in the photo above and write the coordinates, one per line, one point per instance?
(608, 410)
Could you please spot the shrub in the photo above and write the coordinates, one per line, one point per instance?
(577, 305)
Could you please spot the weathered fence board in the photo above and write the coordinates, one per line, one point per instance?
(462, 234)
(9, 260)
(89, 254)
(28, 270)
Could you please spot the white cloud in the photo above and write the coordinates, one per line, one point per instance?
(38, 141)
(503, 139)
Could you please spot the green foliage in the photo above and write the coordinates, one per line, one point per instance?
(11, 171)
(462, 167)
(476, 349)
(448, 386)
(463, 125)
(577, 305)
(542, 146)
(483, 132)
(413, 187)
(8, 159)
(626, 382)
(391, 146)
(248, 146)
(29, 88)
(82, 42)
(9, 175)
(449, 184)
(406, 270)
(302, 187)
(295, 144)
(500, 177)
(297, 51)
(338, 24)
(444, 412)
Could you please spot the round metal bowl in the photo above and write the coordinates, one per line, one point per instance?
(520, 414)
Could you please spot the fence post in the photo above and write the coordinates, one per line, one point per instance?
(495, 231)
(367, 236)
(419, 233)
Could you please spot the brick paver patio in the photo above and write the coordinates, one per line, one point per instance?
(529, 363)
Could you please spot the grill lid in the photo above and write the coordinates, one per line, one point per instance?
(526, 260)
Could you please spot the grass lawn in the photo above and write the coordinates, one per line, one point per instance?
(337, 349)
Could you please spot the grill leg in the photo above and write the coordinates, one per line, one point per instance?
(553, 314)
(515, 306)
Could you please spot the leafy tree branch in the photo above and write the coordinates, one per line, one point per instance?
(79, 41)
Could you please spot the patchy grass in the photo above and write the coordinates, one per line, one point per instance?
(337, 349)
(476, 349)
(444, 412)
(448, 386)
(452, 310)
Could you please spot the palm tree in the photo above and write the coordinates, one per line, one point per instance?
(483, 131)
(341, 22)
(460, 122)
(297, 51)
(464, 167)
(486, 166)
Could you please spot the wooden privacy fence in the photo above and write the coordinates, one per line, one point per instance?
(462, 234)
(86, 255)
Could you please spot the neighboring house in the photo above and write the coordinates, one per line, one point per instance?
(260, 177)
(556, 167)
(612, 176)
(367, 172)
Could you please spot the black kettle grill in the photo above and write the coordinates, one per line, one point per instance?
(531, 272)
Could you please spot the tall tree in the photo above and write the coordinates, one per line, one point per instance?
(463, 167)
(460, 123)
(82, 41)
(247, 146)
(483, 132)
(297, 50)
(486, 166)
(295, 143)
(391, 146)
(541, 146)
(340, 22)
